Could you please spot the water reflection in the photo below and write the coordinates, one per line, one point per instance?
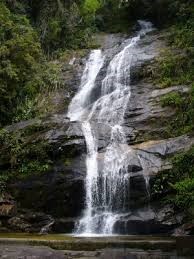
(139, 254)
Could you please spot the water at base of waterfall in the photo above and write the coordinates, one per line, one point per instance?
(107, 188)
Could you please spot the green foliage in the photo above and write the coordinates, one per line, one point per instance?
(23, 71)
(90, 7)
(184, 193)
(11, 147)
(63, 24)
(183, 164)
(20, 157)
(173, 99)
(175, 68)
(176, 186)
(161, 184)
(176, 64)
(33, 167)
(114, 17)
(183, 184)
(183, 120)
(29, 29)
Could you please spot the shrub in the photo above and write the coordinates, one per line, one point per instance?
(183, 120)
(20, 157)
(173, 99)
(23, 70)
(183, 179)
(184, 197)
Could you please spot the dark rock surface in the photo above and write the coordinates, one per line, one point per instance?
(184, 230)
(145, 162)
(64, 225)
(29, 221)
(58, 193)
(8, 207)
(53, 201)
(150, 219)
(30, 252)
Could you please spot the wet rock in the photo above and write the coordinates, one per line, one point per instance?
(133, 168)
(74, 129)
(149, 220)
(184, 230)
(19, 224)
(82, 254)
(166, 147)
(8, 207)
(141, 227)
(144, 112)
(139, 193)
(133, 161)
(64, 225)
(147, 49)
(130, 134)
(25, 251)
(168, 216)
(59, 193)
(22, 125)
(102, 131)
(108, 41)
(160, 92)
(152, 154)
(7, 210)
(34, 222)
(142, 222)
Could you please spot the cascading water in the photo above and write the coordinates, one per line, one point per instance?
(107, 188)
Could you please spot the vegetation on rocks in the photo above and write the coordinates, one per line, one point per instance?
(33, 34)
(24, 71)
(183, 119)
(175, 67)
(182, 180)
(20, 157)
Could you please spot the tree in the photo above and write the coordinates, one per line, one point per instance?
(91, 6)
(21, 62)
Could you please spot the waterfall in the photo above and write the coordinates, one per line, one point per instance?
(107, 188)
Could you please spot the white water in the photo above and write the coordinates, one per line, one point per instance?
(108, 188)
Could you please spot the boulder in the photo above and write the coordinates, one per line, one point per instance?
(8, 207)
(59, 193)
(64, 225)
(7, 210)
(168, 216)
(149, 220)
(184, 230)
(28, 221)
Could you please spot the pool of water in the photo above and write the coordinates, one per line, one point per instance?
(114, 247)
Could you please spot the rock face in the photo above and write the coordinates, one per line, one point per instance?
(55, 200)
(31, 222)
(60, 192)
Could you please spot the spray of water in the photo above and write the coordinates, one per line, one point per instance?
(107, 189)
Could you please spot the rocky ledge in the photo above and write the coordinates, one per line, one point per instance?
(54, 200)
(98, 247)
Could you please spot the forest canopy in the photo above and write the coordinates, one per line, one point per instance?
(31, 32)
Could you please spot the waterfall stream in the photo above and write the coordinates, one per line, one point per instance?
(107, 188)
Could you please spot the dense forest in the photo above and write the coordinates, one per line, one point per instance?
(35, 33)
